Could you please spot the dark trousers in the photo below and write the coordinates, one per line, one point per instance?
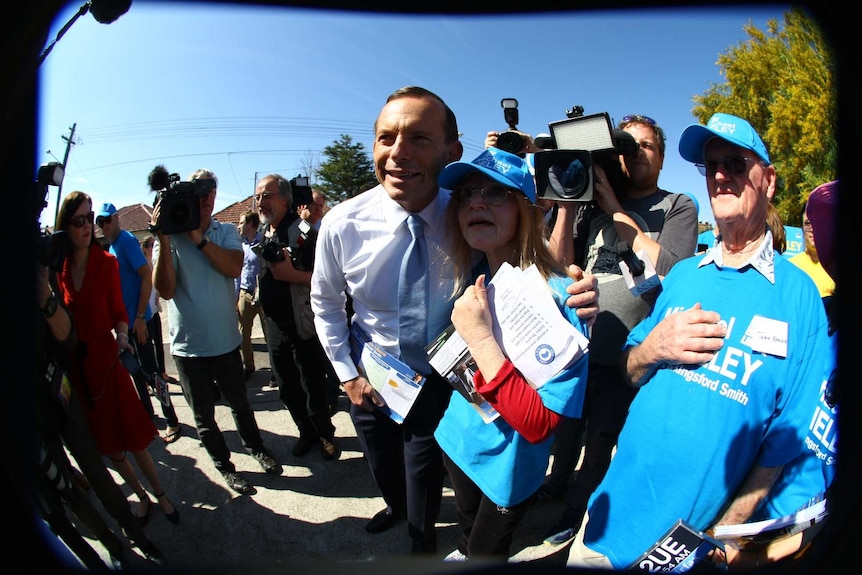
(405, 460)
(151, 366)
(606, 406)
(487, 529)
(299, 367)
(199, 377)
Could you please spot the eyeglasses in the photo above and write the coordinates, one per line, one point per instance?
(637, 118)
(80, 221)
(102, 220)
(736, 165)
(493, 195)
(263, 196)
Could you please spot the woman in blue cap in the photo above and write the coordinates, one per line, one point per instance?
(495, 468)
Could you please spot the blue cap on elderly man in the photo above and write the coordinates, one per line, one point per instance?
(106, 210)
(507, 169)
(725, 126)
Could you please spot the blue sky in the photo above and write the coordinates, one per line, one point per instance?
(245, 91)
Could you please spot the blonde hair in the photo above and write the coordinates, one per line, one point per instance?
(531, 249)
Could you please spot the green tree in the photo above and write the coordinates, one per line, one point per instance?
(346, 170)
(782, 80)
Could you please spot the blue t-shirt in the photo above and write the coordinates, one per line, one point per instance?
(804, 481)
(693, 432)
(505, 466)
(130, 256)
(202, 313)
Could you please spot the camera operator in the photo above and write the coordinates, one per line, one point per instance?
(298, 360)
(644, 216)
(195, 273)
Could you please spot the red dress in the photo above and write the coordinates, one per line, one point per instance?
(116, 415)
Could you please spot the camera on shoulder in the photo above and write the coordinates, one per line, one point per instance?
(180, 204)
(578, 144)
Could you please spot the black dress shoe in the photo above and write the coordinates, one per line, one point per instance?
(382, 521)
(303, 445)
(236, 482)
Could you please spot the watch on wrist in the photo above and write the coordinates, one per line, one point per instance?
(203, 244)
(50, 306)
(143, 316)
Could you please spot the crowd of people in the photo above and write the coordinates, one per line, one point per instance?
(699, 391)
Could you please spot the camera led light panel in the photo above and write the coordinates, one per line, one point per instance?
(592, 133)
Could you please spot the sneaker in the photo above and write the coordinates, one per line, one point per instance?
(455, 556)
(328, 449)
(271, 385)
(303, 445)
(236, 482)
(559, 536)
(267, 462)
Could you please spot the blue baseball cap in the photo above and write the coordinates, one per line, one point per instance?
(501, 166)
(725, 126)
(107, 210)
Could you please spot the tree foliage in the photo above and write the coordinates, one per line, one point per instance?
(782, 80)
(346, 170)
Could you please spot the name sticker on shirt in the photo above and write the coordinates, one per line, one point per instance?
(766, 335)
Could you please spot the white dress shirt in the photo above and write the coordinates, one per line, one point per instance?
(359, 250)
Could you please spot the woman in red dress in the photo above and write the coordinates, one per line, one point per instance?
(90, 282)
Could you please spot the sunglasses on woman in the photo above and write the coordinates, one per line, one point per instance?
(79, 221)
(493, 195)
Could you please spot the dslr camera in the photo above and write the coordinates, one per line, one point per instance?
(565, 172)
(301, 190)
(180, 204)
(271, 249)
(510, 140)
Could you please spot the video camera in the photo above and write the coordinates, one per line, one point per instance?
(51, 249)
(180, 202)
(565, 169)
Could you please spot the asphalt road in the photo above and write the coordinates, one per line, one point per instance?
(311, 516)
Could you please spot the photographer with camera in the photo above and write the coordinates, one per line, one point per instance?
(636, 213)
(195, 273)
(298, 360)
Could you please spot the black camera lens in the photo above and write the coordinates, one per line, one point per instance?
(569, 179)
(511, 142)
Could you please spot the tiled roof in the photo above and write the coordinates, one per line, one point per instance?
(231, 214)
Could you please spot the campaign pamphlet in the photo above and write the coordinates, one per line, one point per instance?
(679, 550)
(449, 356)
(528, 326)
(759, 532)
(396, 382)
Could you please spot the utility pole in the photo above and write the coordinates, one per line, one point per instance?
(69, 144)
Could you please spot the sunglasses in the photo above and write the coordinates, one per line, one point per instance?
(493, 195)
(80, 221)
(637, 118)
(101, 220)
(735, 165)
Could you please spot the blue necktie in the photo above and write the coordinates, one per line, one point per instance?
(413, 299)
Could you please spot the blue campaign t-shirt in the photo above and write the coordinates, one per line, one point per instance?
(500, 461)
(694, 431)
(130, 256)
